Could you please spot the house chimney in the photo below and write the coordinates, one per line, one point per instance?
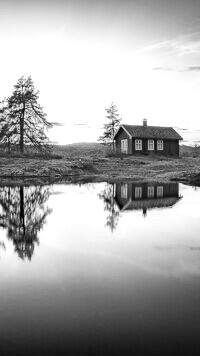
(144, 122)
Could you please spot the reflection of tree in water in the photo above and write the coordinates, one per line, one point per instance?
(107, 195)
(2, 245)
(23, 214)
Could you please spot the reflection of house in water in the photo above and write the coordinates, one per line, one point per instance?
(136, 196)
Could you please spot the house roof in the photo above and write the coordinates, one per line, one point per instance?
(154, 132)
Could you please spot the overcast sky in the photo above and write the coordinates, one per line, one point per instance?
(144, 55)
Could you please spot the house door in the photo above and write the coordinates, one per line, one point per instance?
(124, 146)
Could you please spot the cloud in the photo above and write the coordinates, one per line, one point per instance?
(181, 128)
(182, 45)
(179, 69)
(84, 125)
(57, 123)
(154, 46)
(193, 69)
(163, 68)
(194, 248)
(190, 47)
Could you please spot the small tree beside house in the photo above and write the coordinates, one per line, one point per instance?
(111, 127)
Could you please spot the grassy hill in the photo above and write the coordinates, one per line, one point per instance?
(95, 149)
(80, 149)
(189, 151)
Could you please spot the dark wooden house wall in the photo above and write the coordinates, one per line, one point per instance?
(170, 147)
(174, 148)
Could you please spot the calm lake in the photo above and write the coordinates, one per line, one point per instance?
(100, 269)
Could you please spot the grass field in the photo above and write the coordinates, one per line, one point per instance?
(94, 161)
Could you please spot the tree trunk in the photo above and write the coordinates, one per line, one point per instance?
(22, 222)
(113, 133)
(22, 130)
(8, 145)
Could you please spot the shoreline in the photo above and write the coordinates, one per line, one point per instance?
(98, 168)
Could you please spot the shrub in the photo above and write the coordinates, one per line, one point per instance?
(88, 166)
(111, 153)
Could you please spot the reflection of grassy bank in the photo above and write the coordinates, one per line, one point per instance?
(92, 161)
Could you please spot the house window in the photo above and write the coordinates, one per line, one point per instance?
(124, 146)
(124, 191)
(150, 192)
(160, 191)
(150, 145)
(138, 145)
(160, 145)
(138, 192)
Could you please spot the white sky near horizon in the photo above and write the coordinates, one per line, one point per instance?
(82, 55)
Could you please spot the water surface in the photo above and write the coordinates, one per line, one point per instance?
(100, 269)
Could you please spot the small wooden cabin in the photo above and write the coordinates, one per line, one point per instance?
(143, 139)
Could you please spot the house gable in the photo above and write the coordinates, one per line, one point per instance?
(123, 128)
(120, 136)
